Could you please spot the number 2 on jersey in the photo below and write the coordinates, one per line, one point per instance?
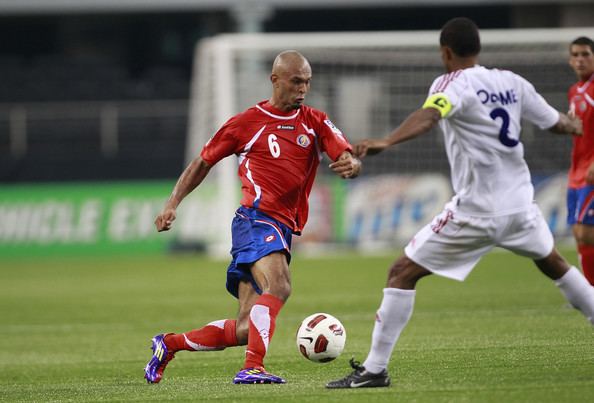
(504, 130)
(273, 145)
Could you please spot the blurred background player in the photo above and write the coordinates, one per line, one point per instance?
(580, 192)
(279, 144)
(479, 111)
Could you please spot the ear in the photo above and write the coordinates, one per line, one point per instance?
(273, 78)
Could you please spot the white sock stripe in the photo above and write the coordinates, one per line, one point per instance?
(200, 347)
(218, 323)
(260, 317)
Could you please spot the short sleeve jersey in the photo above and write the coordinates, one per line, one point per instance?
(581, 102)
(482, 137)
(278, 155)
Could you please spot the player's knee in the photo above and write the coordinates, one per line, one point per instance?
(404, 274)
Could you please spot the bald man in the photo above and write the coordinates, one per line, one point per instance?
(278, 144)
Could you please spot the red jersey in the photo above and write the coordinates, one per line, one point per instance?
(279, 154)
(581, 101)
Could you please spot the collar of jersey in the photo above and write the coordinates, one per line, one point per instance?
(260, 106)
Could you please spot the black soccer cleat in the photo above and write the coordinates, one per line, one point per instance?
(361, 378)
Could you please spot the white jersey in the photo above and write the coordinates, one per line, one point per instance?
(482, 136)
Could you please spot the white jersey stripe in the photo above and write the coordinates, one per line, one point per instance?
(257, 188)
(249, 145)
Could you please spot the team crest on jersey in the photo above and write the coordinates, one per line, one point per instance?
(578, 104)
(334, 129)
(303, 140)
(270, 238)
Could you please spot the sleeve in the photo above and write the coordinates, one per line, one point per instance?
(445, 95)
(332, 141)
(534, 107)
(223, 143)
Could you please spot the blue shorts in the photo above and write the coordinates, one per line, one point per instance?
(580, 205)
(254, 235)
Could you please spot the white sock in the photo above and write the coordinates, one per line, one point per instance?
(392, 316)
(576, 289)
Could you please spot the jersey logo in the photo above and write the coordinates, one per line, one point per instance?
(285, 127)
(334, 129)
(270, 238)
(303, 140)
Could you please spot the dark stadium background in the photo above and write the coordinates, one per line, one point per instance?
(58, 61)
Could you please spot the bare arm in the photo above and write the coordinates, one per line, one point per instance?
(417, 123)
(567, 125)
(189, 180)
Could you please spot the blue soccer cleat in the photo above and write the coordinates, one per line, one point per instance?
(256, 375)
(153, 372)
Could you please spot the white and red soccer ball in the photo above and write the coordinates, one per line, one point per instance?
(321, 337)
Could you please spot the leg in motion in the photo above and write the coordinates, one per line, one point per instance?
(216, 335)
(391, 318)
(584, 237)
(272, 275)
(573, 285)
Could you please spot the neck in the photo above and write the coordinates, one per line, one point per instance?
(586, 77)
(461, 63)
(278, 105)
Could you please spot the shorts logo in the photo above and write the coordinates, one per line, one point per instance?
(270, 238)
(303, 140)
(442, 221)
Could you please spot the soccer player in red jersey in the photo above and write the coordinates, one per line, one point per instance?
(279, 144)
(580, 193)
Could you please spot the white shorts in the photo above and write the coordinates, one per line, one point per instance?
(454, 243)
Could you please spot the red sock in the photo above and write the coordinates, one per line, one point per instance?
(214, 336)
(262, 324)
(587, 261)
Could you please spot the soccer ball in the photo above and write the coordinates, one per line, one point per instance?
(321, 337)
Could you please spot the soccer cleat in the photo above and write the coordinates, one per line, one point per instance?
(153, 372)
(256, 375)
(361, 378)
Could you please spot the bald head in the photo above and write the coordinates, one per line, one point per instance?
(289, 60)
(291, 75)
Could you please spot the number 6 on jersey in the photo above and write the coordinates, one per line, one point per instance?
(273, 145)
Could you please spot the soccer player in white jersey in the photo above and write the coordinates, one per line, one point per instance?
(479, 111)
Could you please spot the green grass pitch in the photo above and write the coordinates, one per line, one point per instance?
(78, 329)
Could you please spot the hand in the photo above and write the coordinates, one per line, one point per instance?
(590, 175)
(165, 219)
(370, 147)
(346, 166)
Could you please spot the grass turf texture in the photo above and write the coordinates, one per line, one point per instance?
(77, 329)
